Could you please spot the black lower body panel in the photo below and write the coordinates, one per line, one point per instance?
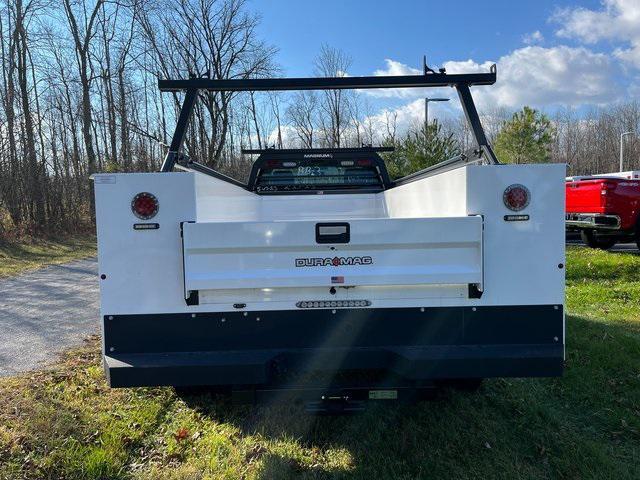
(271, 347)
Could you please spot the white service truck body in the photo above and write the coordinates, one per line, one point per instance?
(413, 253)
(321, 263)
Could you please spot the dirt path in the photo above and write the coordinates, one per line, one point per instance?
(44, 311)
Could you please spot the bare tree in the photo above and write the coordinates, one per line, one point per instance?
(274, 99)
(9, 160)
(83, 32)
(368, 123)
(332, 62)
(391, 126)
(356, 122)
(33, 171)
(215, 38)
(302, 113)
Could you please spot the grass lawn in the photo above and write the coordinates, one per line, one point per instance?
(19, 257)
(66, 424)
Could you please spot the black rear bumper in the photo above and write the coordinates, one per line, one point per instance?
(254, 349)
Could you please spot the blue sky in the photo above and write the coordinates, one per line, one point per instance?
(550, 54)
(404, 30)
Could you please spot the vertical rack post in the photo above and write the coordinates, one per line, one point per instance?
(181, 128)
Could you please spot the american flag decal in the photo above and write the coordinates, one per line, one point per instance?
(337, 279)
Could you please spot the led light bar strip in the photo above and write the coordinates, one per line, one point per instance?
(333, 303)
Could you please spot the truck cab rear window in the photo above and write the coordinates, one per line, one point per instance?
(289, 176)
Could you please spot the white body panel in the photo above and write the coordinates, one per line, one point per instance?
(143, 268)
(428, 240)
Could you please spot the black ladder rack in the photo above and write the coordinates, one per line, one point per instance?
(461, 82)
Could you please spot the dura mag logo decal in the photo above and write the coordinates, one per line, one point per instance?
(333, 262)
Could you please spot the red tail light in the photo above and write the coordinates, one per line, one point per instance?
(144, 205)
(516, 197)
(606, 186)
(364, 163)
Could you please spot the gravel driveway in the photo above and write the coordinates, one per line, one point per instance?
(44, 311)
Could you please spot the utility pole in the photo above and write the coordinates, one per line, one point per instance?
(622, 135)
(426, 109)
(426, 117)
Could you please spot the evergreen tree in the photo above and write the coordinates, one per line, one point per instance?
(420, 148)
(526, 138)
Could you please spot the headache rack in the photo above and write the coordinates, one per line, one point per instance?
(461, 82)
(287, 171)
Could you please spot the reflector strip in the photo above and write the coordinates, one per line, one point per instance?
(516, 218)
(146, 226)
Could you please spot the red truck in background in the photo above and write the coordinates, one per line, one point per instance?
(605, 209)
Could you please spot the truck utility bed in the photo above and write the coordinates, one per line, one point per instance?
(322, 264)
(431, 282)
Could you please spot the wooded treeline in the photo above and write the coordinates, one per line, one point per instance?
(78, 95)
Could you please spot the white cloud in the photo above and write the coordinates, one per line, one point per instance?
(533, 38)
(403, 117)
(618, 20)
(395, 68)
(534, 75)
(548, 76)
(289, 136)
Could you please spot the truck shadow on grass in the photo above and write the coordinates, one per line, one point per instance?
(583, 425)
(380, 442)
(66, 423)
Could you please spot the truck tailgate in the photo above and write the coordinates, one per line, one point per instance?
(396, 251)
(585, 196)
